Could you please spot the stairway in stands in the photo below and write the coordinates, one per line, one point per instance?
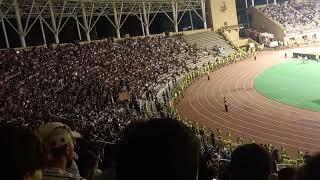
(208, 40)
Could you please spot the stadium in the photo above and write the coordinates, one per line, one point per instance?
(160, 89)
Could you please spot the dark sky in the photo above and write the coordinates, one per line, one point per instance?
(241, 3)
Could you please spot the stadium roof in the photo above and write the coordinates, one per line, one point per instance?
(56, 13)
(138, 1)
(94, 7)
(104, 1)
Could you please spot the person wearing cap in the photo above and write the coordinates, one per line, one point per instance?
(59, 143)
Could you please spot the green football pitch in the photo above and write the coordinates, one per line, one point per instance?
(292, 83)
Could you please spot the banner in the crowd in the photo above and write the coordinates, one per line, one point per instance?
(124, 96)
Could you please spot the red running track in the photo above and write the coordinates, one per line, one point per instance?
(251, 115)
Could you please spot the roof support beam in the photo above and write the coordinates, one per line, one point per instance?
(116, 20)
(85, 22)
(53, 23)
(19, 24)
(175, 15)
(42, 32)
(191, 20)
(145, 18)
(5, 32)
(78, 27)
(204, 18)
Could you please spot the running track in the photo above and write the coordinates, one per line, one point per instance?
(251, 115)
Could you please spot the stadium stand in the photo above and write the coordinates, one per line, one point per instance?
(308, 8)
(74, 84)
(291, 19)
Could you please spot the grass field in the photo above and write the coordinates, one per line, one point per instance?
(292, 83)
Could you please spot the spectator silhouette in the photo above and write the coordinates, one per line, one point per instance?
(158, 149)
(20, 154)
(287, 174)
(310, 171)
(251, 162)
(88, 163)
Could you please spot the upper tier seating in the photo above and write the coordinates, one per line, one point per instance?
(291, 19)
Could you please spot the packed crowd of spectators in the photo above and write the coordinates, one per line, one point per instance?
(155, 149)
(291, 19)
(309, 8)
(79, 84)
(61, 118)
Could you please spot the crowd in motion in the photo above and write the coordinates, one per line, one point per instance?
(292, 20)
(80, 84)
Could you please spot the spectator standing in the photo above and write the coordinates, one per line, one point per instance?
(213, 139)
(226, 104)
